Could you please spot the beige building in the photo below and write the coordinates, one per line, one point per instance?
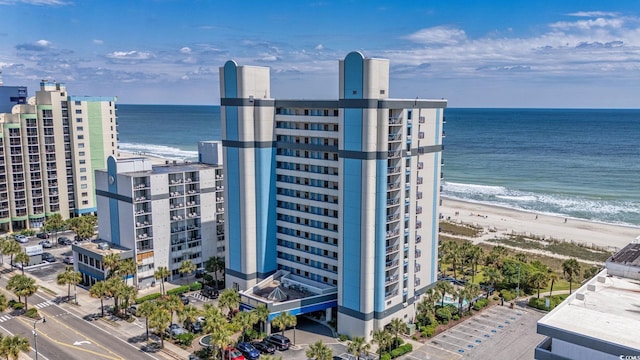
(49, 149)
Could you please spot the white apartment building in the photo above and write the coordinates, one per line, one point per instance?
(332, 205)
(49, 148)
(164, 213)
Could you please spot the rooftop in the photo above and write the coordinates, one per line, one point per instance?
(606, 309)
(629, 255)
(93, 246)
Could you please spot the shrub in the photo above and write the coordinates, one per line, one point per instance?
(179, 290)
(404, 349)
(16, 305)
(343, 337)
(453, 309)
(32, 313)
(496, 298)
(185, 339)
(195, 286)
(153, 296)
(480, 304)
(207, 278)
(456, 317)
(443, 315)
(414, 337)
(385, 356)
(540, 304)
(508, 295)
(428, 331)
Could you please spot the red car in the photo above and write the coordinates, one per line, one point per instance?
(231, 353)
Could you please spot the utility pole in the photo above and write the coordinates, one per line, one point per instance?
(35, 335)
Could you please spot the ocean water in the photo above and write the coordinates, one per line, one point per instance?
(574, 163)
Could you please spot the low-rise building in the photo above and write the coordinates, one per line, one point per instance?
(88, 259)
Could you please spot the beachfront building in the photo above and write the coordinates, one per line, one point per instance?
(332, 205)
(49, 148)
(164, 213)
(599, 320)
(10, 96)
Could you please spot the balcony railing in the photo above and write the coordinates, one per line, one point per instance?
(392, 233)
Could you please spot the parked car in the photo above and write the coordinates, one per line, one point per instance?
(22, 239)
(46, 244)
(174, 330)
(280, 342)
(195, 327)
(64, 241)
(68, 260)
(184, 298)
(209, 292)
(48, 257)
(232, 354)
(200, 272)
(249, 352)
(264, 347)
(133, 310)
(42, 235)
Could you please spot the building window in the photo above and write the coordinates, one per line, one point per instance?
(83, 170)
(83, 178)
(85, 194)
(82, 162)
(81, 145)
(78, 111)
(79, 128)
(85, 202)
(83, 186)
(81, 153)
(79, 120)
(78, 103)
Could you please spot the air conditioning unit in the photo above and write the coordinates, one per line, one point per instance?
(103, 246)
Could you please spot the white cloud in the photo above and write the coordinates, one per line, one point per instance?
(319, 47)
(589, 24)
(130, 55)
(592, 14)
(98, 41)
(185, 50)
(439, 35)
(43, 43)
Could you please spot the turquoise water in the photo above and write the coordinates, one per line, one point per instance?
(574, 163)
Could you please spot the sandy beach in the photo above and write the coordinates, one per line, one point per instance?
(506, 220)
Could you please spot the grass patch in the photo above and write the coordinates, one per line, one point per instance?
(47, 290)
(460, 229)
(559, 247)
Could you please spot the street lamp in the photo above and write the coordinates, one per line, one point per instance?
(35, 335)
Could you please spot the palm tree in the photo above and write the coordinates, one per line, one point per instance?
(115, 286)
(69, 277)
(3, 243)
(23, 259)
(22, 285)
(110, 263)
(160, 319)
(216, 324)
(189, 315)
(461, 294)
(4, 303)
(492, 276)
(229, 298)
(262, 312)
(319, 351)
(125, 268)
(245, 320)
(571, 269)
(450, 253)
(11, 248)
(443, 288)
(12, 346)
(358, 345)
(397, 326)
(172, 303)
(383, 339)
(538, 280)
(424, 309)
(475, 256)
(187, 267)
(215, 264)
(161, 274)
(100, 290)
(146, 309)
(553, 277)
(54, 223)
(127, 295)
(284, 320)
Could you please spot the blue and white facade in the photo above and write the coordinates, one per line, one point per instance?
(339, 192)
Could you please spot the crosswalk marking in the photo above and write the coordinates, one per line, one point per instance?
(199, 297)
(4, 318)
(43, 304)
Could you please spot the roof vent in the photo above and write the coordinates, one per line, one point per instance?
(103, 246)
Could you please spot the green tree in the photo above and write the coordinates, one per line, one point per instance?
(172, 303)
(69, 277)
(553, 277)
(216, 324)
(11, 248)
(571, 270)
(319, 351)
(283, 320)
(187, 267)
(384, 340)
(472, 292)
(3, 242)
(161, 274)
(449, 253)
(357, 346)
(189, 315)
(245, 320)
(443, 288)
(115, 286)
(126, 268)
(22, 286)
(262, 312)
(215, 264)
(12, 346)
(4, 303)
(491, 276)
(127, 295)
(100, 290)
(475, 256)
(54, 224)
(146, 309)
(23, 259)
(160, 319)
(396, 327)
(538, 280)
(229, 298)
(110, 263)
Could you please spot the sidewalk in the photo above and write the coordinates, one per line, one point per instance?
(88, 306)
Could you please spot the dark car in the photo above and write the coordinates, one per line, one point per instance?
(280, 342)
(209, 292)
(264, 347)
(249, 352)
(200, 272)
(42, 236)
(184, 299)
(195, 327)
(64, 241)
(48, 257)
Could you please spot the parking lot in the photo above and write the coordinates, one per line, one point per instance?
(496, 333)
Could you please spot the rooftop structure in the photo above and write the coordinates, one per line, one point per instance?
(600, 320)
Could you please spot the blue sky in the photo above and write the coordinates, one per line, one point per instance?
(514, 53)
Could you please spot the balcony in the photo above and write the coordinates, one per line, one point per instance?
(391, 264)
(394, 154)
(421, 135)
(418, 253)
(392, 293)
(421, 120)
(393, 217)
(391, 249)
(395, 137)
(419, 210)
(392, 233)
(393, 170)
(420, 165)
(419, 181)
(418, 225)
(395, 120)
(390, 279)
(419, 195)
(392, 202)
(393, 186)
(417, 267)
(418, 239)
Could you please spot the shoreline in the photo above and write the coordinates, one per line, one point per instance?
(506, 220)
